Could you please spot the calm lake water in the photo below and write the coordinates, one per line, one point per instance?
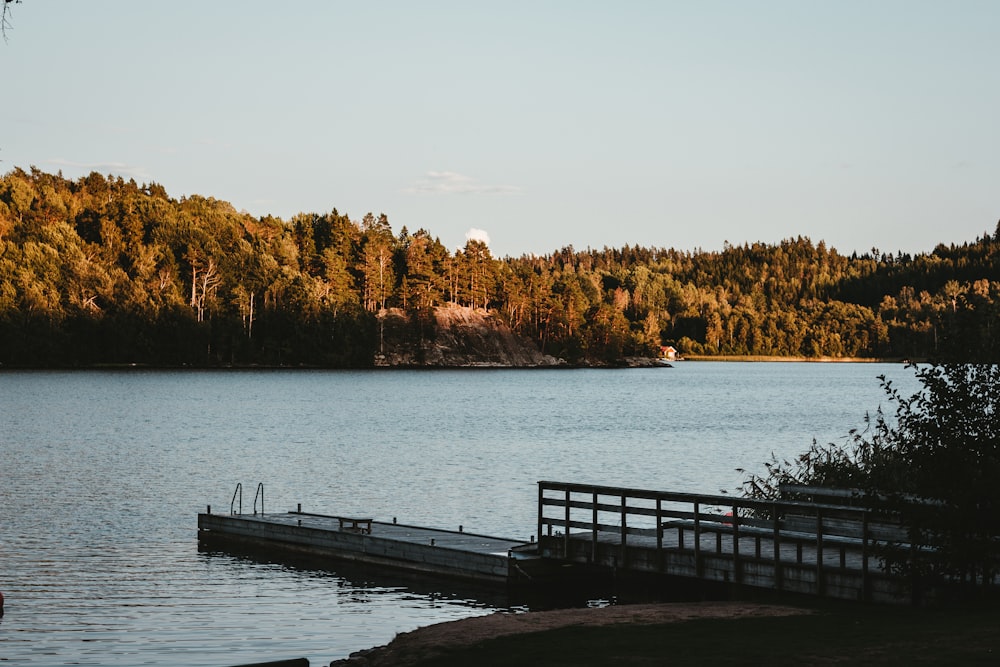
(103, 474)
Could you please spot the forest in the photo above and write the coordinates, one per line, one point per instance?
(104, 271)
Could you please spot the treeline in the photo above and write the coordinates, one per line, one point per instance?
(106, 271)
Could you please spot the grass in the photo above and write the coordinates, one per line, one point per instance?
(841, 635)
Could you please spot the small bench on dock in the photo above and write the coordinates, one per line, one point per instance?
(356, 524)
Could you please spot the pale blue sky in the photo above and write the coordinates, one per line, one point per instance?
(668, 124)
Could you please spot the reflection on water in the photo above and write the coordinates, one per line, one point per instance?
(104, 474)
(361, 581)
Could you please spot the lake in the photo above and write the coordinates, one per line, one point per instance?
(104, 472)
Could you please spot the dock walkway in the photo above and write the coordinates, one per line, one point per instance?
(453, 553)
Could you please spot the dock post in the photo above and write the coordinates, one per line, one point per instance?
(208, 510)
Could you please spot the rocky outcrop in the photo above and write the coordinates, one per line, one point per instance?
(454, 337)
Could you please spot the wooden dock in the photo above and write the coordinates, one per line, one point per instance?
(414, 548)
(817, 549)
(827, 547)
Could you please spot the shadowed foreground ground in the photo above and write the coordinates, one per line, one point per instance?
(701, 633)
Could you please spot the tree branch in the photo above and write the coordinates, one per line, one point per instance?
(5, 23)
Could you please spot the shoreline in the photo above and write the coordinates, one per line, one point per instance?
(433, 641)
(650, 362)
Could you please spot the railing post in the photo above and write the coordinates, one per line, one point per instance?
(864, 556)
(914, 567)
(659, 524)
(737, 570)
(541, 506)
(778, 581)
(819, 551)
(660, 556)
(566, 528)
(697, 540)
(624, 530)
(593, 540)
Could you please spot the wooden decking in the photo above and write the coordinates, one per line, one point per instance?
(453, 553)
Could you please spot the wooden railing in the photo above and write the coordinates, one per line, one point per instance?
(642, 518)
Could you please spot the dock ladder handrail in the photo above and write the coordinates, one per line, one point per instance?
(259, 494)
(237, 492)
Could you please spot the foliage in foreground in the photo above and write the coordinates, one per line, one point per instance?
(935, 465)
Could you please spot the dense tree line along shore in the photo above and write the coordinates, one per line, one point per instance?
(101, 270)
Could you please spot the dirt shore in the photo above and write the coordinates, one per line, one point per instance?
(425, 643)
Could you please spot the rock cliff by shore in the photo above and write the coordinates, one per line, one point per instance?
(455, 337)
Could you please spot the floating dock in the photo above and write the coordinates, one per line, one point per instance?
(364, 540)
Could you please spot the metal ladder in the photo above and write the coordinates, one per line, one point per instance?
(236, 505)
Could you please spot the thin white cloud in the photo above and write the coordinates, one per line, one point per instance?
(477, 235)
(119, 168)
(451, 183)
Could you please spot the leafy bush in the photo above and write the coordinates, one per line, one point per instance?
(934, 466)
